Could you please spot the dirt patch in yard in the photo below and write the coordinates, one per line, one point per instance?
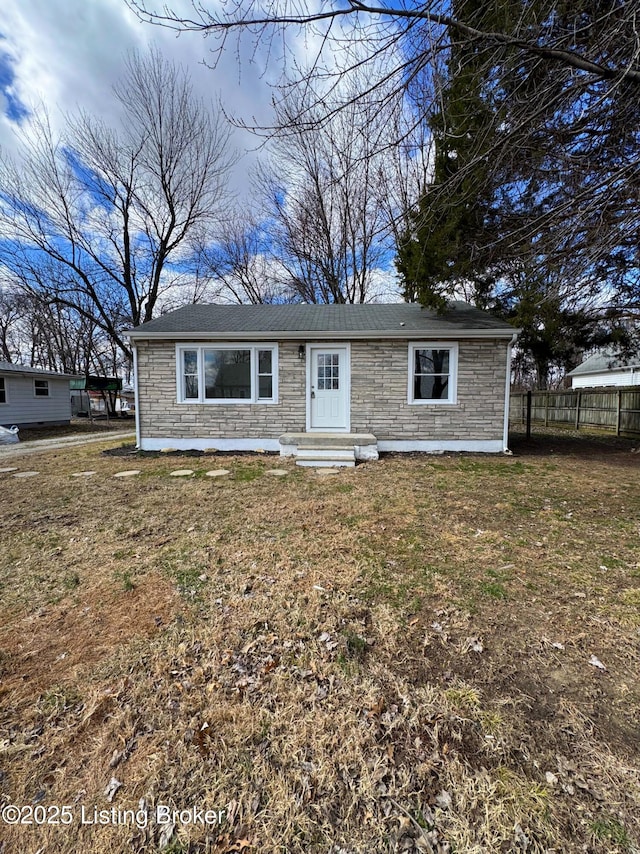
(59, 642)
(423, 654)
(584, 444)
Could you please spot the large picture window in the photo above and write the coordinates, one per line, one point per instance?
(245, 373)
(433, 370)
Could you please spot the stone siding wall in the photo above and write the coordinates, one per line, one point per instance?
(378, 396)
(162, 416)
(379, 389)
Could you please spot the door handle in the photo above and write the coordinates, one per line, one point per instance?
(313, 394)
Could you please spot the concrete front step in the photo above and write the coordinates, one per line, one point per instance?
(317, 462)
(361, 446)
(327, 453)
(327, 440)
(329, 457)
(318, 444)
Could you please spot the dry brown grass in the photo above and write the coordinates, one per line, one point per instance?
(392, 659)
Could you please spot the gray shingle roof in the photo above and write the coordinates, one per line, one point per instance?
(11, 368)
(605, 360)
(403, 320)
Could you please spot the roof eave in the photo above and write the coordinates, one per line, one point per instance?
(42, 374)
(577, 373)
(407, 335)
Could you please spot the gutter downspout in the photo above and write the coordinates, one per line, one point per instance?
(507, 395)
(136, 395)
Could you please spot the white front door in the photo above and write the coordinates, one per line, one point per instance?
(329, 388)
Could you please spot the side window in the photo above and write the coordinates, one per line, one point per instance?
(265, 374)
(190, 374)
(433, 372)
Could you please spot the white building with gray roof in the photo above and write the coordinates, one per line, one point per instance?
(32, 397)
(606, 368)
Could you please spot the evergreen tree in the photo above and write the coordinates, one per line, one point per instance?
(449, 243)
(479, 229)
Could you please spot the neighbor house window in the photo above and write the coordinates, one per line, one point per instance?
(245, 373)
(3, 391)
(41, 388)
(433, 369)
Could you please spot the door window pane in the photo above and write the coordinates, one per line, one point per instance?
(328, 371)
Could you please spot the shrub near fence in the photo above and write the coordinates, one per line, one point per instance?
(614, 409)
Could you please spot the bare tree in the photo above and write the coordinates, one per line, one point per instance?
(562, 84)
(103, 221)
(239, 266)
(48, 335)
(428, 27)
(11, 312)
(328, 223)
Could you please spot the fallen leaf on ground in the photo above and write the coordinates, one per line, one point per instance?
(112, 788)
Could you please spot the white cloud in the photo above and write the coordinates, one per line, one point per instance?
(68, 54)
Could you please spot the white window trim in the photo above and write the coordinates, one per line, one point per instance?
(230, 401)
(453, 371)
(39, 380)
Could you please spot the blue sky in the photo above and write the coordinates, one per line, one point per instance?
(14, 109)
(68, 54)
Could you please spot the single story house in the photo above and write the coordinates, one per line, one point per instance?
(315, 380)
(31, 397)
(606, 368)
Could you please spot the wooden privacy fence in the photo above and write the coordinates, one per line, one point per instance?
(615, 409)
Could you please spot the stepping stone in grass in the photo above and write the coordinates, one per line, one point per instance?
(326, 471)
(218, 473)
(6, 471)
(26, 474)
(181, 473)
(83, 474)
(129, 473)
(277, 472)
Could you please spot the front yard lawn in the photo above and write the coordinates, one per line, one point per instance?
(421, 654)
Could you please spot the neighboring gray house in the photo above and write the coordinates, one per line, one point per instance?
(606, 368)
(315, 380)
(30, 397)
